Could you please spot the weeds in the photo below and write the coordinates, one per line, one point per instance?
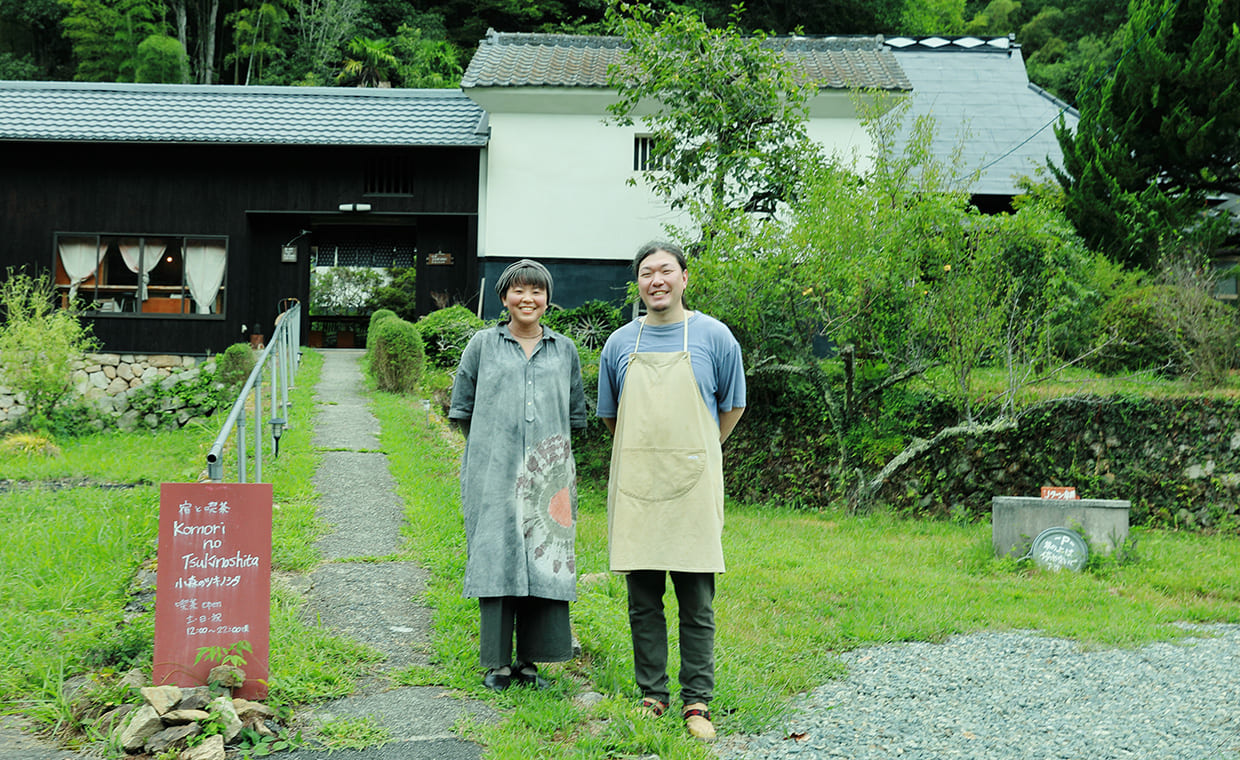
(233, 654)
(28, 445)
(353, 733)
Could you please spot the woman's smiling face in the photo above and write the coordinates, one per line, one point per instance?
(526, 304)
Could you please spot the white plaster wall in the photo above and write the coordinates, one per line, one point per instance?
(556, 187)
(845, 137)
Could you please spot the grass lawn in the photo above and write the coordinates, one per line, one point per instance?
(801, 588)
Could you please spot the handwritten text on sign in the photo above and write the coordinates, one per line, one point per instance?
(213, 586)
(1059, 492)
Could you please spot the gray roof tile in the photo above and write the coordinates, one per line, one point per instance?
(983, 90)
(222, 114)
(567, 60)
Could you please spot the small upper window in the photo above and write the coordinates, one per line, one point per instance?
(644, 158)
(390, 176)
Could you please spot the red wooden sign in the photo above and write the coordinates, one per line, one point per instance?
(1059, 492)
(213, 585)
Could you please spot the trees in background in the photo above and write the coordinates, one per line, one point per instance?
(106, 36)
(257, 33)
(369, 63)
(196, 28)
(425, 61)
(1160, 135)
(303, 41)
(909, 292)
(161, 60)
(32, 42)
(727, 118)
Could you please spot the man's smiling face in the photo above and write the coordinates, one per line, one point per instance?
(661, 282)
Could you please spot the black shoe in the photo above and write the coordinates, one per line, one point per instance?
(527, 675)
(496, 681)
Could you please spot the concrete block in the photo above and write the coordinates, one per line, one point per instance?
(1017, 520)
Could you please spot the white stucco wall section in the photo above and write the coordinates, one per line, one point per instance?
(844, 137)
(555, 180)
(556, 187)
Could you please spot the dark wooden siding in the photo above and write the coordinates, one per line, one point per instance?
(258, 196)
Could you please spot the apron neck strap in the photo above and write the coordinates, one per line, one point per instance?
(642, 325)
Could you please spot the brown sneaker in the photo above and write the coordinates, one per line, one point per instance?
(697, 720)
(651, 708)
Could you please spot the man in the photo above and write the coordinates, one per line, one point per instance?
(671, 390)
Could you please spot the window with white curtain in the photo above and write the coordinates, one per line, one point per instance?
(142, 275)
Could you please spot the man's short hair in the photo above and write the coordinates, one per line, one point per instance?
(659, 245)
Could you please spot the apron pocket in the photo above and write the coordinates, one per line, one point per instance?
(652, 475)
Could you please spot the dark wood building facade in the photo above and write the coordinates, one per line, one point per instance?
(184, 217)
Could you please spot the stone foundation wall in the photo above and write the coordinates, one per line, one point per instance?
(108, 383)
(1177, 460)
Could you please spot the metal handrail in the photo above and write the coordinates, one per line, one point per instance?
(281, 356)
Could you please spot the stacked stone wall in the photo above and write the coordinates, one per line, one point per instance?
(110, 385)
(1177, 461)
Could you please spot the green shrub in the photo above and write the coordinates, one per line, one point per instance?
(38, 343)
(73, 419)
(378, 315)
(588, 324)
(235, 364)
(397, 355)
(445, 334)
(1140, 340)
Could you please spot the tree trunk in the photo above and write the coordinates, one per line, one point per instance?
(867, 489)
(178, 8)
(209, 53)
(206, 12)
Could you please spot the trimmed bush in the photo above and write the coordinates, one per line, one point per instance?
(397, 355)
(378, 315)
(235, 364)
(445, 334)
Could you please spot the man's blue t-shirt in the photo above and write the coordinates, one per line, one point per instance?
(713, 352)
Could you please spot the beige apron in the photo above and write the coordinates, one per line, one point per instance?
(665, 493)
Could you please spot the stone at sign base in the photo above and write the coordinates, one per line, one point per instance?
(1017, 520)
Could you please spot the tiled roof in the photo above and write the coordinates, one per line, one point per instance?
(567, 60)
(980, 87)
(224, 114)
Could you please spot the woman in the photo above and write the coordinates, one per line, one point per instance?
(517, 395)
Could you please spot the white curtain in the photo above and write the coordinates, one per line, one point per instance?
(80, 257)
(204, 272)
(134, 257)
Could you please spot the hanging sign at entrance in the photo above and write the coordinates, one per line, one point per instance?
(213, 585)
(439, 258)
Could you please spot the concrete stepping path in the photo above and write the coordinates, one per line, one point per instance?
(373, 602)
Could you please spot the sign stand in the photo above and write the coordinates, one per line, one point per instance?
(213, 584)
